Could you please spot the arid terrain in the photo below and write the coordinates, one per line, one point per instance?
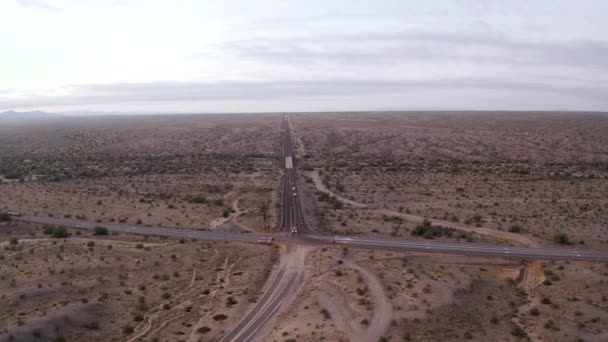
(123, 287)
(500, 178)
(496, 174)
(190, 172)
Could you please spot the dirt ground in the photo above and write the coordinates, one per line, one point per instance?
(354, 295)
(124, 287)
(531, 174)
(200, 172)
(183, 201)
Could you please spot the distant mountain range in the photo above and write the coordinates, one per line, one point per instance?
(19, 117)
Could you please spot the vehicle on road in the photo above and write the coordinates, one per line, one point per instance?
(14, 213)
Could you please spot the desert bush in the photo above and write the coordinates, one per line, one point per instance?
(60, 232)
(48, 229)
(219, 317)
(325, 313)
(200, 199)
(427, 230)
(4, 217)
(515, 228)
(231, 301)
(203, 330)
(92, 326)
(518, 332)
(561, 238)
(325, 197)
(100, 231)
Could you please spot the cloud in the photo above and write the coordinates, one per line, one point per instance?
(286, 90)
(39, 5)
(417, 46)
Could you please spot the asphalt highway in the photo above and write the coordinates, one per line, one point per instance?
(285, 280)
(425, 246)
(147, 230)
(465, 248)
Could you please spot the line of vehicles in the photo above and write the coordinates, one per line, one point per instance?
(294, 229)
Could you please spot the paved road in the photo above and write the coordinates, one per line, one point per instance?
(147, 230)
(285, 280)
(465, 248)
(473, 249)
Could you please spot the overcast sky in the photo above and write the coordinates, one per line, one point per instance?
(160, 56)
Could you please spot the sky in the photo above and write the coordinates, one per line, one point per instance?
(187, 56)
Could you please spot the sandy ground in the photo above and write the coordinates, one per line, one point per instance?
(516, 239)
(122, 287)
(351, 295)
(544, 173)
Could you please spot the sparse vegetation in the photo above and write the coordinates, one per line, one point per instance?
(561, 238)
(100, 231)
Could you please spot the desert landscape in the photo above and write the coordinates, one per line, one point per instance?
(535, 180)
(180, 172)
(94, 286)
(303, 171)
(495, 174)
